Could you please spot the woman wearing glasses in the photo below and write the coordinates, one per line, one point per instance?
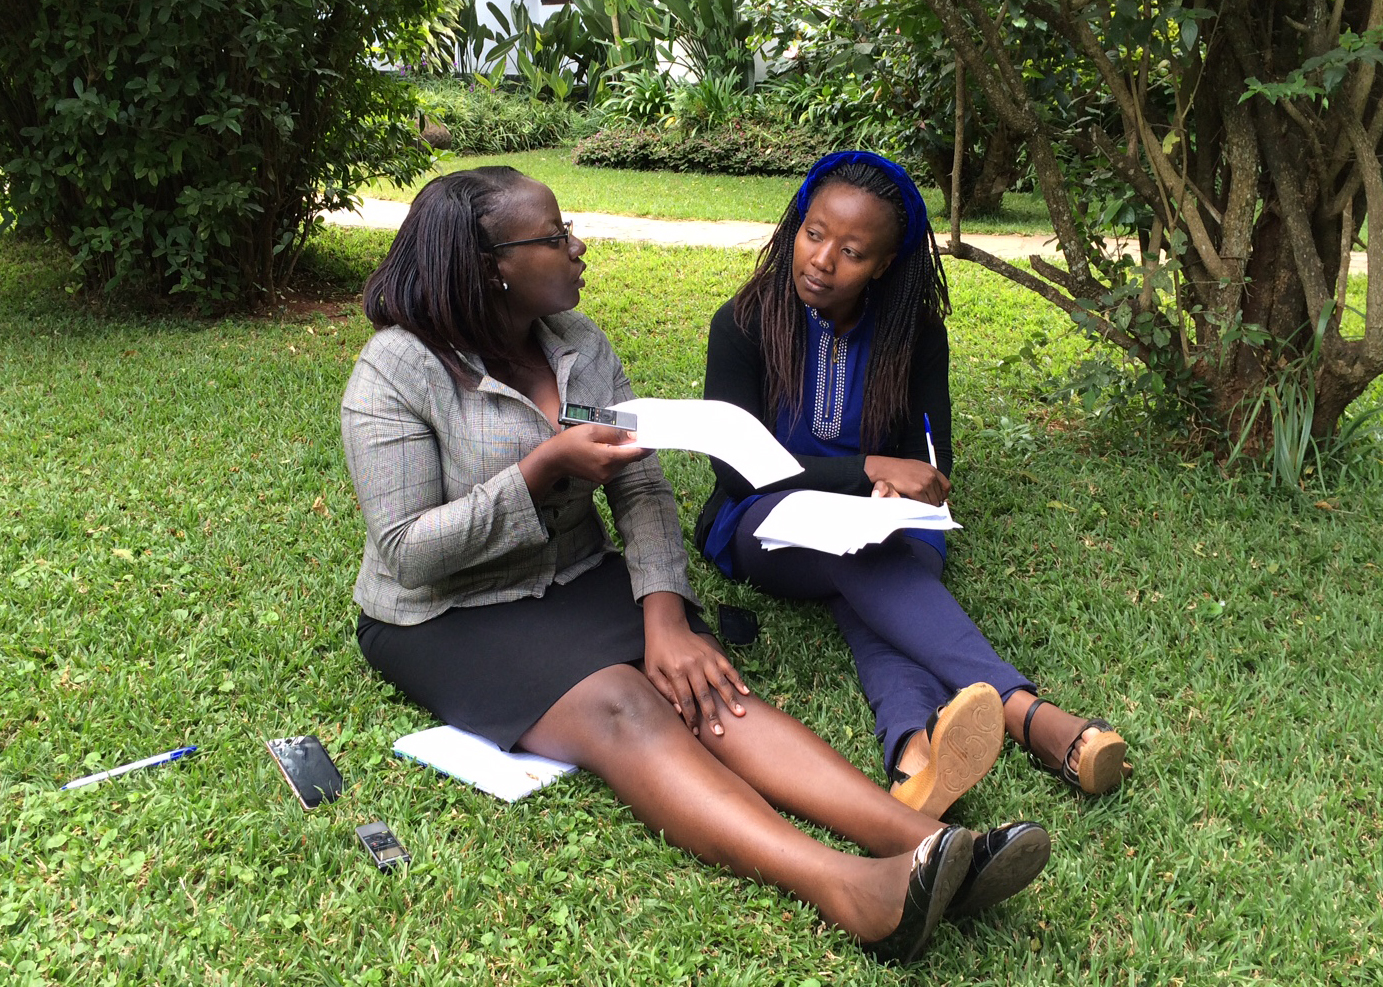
(491, 595)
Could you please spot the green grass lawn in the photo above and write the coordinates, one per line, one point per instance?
(673, 195)
(178, 540)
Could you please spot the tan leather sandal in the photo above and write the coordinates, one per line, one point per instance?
(966, 736)
(1102, 767)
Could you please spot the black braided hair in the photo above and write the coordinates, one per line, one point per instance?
(434, 280)
(909, 299)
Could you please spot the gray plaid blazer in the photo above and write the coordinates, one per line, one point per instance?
(449, 520)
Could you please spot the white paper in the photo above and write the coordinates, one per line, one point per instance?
(717, 428)
(841, 523)
(481, 763)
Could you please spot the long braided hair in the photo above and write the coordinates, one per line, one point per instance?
(910, 298)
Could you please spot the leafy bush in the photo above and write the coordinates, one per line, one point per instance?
(710, 37)
(711, 102)
(842, 102)
(188, 145)
(743, 147)
(638, 98)
(491, 121)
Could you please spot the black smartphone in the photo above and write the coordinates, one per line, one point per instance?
(737, 625)
(583, 414)
(307, 766)
(380, 844)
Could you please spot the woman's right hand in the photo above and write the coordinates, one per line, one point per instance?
(896, 477)
(588, 452)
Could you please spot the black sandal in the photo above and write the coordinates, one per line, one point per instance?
(1102, 767)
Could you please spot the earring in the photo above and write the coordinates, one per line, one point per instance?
(505, 285)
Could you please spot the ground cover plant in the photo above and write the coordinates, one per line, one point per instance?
(474, 119)
(178, 540)
(677, 195)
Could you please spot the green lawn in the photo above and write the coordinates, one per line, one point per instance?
(672, 195)
(178, 540)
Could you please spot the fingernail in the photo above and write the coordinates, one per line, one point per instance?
(739, 709)
(717, 729)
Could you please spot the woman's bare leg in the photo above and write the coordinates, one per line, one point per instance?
(615, 724)
(798, 772)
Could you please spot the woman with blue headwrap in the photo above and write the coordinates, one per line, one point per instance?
(837, 343)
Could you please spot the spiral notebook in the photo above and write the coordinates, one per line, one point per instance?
(478, 762)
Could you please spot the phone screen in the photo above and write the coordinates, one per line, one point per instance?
(308, 768)
(576, 414)
(580, 413)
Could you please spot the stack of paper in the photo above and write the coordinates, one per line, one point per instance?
(717, 428)
(477, 761)
(840, 523)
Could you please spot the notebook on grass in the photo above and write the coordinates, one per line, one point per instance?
(478, 762)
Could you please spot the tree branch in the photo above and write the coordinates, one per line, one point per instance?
(967, 252)
(1176, 184)
(1003, 86)
(1372, 173)
(1288, 184)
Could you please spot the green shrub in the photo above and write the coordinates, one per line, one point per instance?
(491, 121)
(188, 145)
(637, 98)
(712, 102)
(742, 147)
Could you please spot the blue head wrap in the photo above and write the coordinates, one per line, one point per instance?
(914, 208)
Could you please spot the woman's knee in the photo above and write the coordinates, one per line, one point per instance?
(614, 710)
(622, 707)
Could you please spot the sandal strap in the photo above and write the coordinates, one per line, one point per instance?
(1063, 770)
(896, 775)
(1068, 773)
(1027, 735)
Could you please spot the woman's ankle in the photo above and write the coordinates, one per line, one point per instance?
(914, 754)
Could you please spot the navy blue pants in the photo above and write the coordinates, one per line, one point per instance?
(914, 646)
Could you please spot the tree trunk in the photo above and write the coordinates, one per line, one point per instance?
(1245, 171)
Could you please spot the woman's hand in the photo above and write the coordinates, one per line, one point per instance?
(587, 452)
(688, 669)
(911, 478)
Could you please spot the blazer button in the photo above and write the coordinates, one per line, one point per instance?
(562, 484)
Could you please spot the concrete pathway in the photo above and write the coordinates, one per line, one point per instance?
(385, 214)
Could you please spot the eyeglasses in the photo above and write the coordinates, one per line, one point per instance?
(566, 232)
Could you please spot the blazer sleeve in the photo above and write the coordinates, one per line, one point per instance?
(392, 455)
(645, 512)
(735, 372)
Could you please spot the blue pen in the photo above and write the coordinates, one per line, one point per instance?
(931, 449)
(148, 762)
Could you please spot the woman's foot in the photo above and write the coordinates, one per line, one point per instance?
(940, 865)
(1086, 754)
(943, 762)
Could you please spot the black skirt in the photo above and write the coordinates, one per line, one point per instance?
(495, 670)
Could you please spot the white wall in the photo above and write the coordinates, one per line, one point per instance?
(538, 11)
